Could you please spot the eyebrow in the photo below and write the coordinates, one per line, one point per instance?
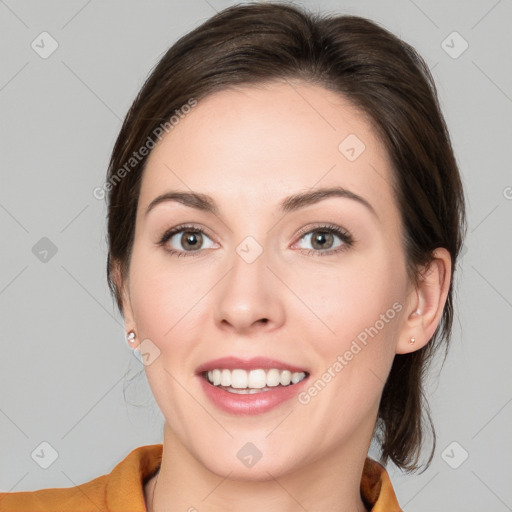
(294, 202)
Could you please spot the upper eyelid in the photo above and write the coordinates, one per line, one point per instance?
(327, 226)
(191, 227)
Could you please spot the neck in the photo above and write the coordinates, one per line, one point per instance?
(183, 483)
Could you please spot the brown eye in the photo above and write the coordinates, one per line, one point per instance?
(183, 239)
(322, 240)
(191, 240)
(326, 240)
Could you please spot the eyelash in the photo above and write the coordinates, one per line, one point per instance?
(342, 234)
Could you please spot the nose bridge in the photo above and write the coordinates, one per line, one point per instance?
(249, 296)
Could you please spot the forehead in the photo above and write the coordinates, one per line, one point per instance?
(258, 144)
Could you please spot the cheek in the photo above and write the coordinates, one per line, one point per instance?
(361, 304)
(164, 297)
(353, 297)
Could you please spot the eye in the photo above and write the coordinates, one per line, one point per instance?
(328, 239)
(190, 240)
(185, 239)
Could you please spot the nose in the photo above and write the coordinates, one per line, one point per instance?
(249, 298)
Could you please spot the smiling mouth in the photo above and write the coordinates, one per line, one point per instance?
(244, 382)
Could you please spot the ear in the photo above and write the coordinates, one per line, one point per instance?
(425, 303)
(122, 285)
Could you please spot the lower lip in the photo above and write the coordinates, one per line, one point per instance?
(249, 404)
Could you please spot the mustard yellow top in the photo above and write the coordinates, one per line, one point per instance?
(122, 490)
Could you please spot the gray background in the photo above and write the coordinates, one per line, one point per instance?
(65, 364)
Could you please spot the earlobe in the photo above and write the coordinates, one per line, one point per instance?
(427, 302)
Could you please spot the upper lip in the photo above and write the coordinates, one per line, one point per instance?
(254, 363)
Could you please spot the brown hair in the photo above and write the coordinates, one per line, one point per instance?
(382, 76)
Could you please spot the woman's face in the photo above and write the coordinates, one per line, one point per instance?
(271, 272)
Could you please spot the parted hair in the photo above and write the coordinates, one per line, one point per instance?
(381, 75)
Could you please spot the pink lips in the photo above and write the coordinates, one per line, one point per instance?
(249, 404)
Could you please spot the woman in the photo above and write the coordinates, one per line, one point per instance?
(285, 216)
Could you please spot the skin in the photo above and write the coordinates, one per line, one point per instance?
(249, 149)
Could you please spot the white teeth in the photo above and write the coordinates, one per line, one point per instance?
(239, 379)
(225, 378)
(286, 377)
(253, 380)
(246, 391)
(273, 377)
(257, 379)
(296, 377)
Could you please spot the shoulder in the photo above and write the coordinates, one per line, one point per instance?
(122, 490)
(85, 497)
(376, 488)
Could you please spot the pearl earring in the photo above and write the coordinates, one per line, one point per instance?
(130, 337)
(412, 341)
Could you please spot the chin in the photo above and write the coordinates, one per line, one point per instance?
(260, 471)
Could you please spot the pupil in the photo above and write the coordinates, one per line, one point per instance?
(191, 239)
(321, 239)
